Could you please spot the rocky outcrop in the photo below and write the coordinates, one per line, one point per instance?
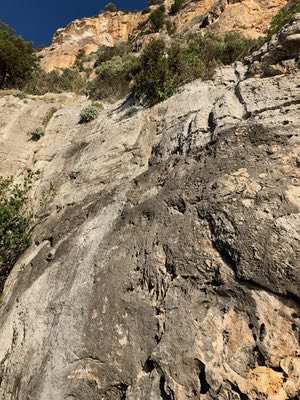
(250, 17)
(88, 34)
(165, 259)
(279, 55)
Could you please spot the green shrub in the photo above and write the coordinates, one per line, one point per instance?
(155, 80)
(49, 115)
(80, 58)
(98, 105)
(157, 18)
(14, 224)
(110, 7)
(113, 78)
(69, 80)
(17, 59)
(177, 6)
(283, 17)
(36, 134)
(216, 49)
(106, 53)
(88, 114)
(163, 69)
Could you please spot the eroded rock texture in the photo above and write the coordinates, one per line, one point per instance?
(249, 17)
(165, 262)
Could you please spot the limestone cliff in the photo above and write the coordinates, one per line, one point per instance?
(250, 17)
(88, 34)
(165, 260)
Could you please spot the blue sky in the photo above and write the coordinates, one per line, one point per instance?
(36, 20)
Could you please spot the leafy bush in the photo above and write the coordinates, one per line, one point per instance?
(14, 224)
(217, 49)
(69, 80)
(113, 78)
(163, 69)
(157, 18)
(49, 115)
(155, 80)
(17, 59)
(283, 17)
(110, 7)
(36, 134)
(177, 6)
(106, 53)
(88, 114)
(98, 105)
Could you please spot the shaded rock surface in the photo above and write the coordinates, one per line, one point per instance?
(165, 258)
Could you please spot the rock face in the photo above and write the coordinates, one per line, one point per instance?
(250, 17)
(88, 34)
(165, 262)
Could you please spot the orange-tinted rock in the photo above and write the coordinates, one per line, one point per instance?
(88, 34)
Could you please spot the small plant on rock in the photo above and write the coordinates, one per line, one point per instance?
(36, 134)
(14, 223)
(88, 114)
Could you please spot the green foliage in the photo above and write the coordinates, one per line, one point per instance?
(80, 60)
(36, 134)
(283, 17)
(106, 53)
(177, 6)
(155, 80)
(215, 49)
(88, 114)
(69, 80)
(98, 105)
(162, 69)
(157, 18)
(14, 224)
(110, 7)
(113, 78)
(17, 59)
(49, 115)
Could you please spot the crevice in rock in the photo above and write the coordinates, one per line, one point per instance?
(162, 386)
(149, 366)
(123, 389)
(237, 92)
(204, 385)
(277, 107)
(236, 389)
(211, 122)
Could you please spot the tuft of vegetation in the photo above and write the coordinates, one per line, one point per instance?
(106, 53)
(49, 115)
(88, 114)
(283, 17)
(155, 79)
(157, 18)
(113, 78)
(98, 105)
(14, 223)
(162, 69)
(17, 59)
(37, 134)
(177, 6)
(110, 7)
(69, 80)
